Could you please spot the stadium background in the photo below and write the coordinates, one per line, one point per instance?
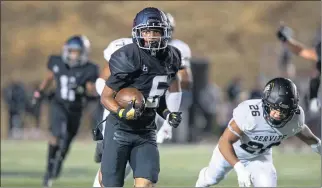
(236, 38)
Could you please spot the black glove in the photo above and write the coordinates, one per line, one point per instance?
(284, 33)
(130, 112)
(173, 118)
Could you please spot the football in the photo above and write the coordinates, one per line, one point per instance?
(125, 95)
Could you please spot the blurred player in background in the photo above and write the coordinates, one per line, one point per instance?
(256, 126)
(185, 78)
(173, 96)
(152, 65)
(284, 34)
(74, 76)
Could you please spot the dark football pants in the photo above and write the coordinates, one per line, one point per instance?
(140, 149)
(64, 126)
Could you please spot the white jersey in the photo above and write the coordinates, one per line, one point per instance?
(182, 47)
(115, 45)
(259, 136)
(184, 50)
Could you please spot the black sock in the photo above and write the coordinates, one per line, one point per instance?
(314, 87)
(51, 157)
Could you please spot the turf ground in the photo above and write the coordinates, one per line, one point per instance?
(23, 164)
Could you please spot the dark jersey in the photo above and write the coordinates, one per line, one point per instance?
(318, 52)
(70, 82)
(133, 67)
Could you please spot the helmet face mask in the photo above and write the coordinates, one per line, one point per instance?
(151, 29)
(280, 102)
(283, 115)
(75, 51)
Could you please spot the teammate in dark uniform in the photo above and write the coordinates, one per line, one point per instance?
(149, 65)
(284, 34)
(75, 77)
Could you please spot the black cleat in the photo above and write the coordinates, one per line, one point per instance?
(47, 181)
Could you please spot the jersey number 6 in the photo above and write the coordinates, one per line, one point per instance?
(159, 86)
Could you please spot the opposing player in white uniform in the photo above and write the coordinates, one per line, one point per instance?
(256, 126)
(185, 76)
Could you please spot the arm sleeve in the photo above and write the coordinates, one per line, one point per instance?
(122, 69)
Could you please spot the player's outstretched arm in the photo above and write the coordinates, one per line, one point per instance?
(38, 93)
(302, 51)
(225, 145)
(46, 81)
(226, 141)
(284, 34)
(310, 139)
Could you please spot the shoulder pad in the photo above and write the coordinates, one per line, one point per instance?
(182, 47)
(115, 45)
(184, 50)
(124, 60)
(176, 56)
(243, 117)
(53, 60)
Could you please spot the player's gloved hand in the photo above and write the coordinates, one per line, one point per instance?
(173, 118)
(130, 112)
(37, 95)
(80, 90)
(165, 133)
(284, 33)
(244, 177)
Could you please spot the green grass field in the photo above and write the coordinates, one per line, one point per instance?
(23, 164)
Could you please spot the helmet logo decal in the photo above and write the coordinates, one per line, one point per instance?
(268, 87)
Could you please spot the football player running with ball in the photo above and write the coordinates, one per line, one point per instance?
(150, 65)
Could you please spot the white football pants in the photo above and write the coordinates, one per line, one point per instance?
(263, 172)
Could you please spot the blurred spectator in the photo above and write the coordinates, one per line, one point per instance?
(234, 89)
(208, 99)
(287, 68)
(15, 97)
(256, 91)
(33, 109)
